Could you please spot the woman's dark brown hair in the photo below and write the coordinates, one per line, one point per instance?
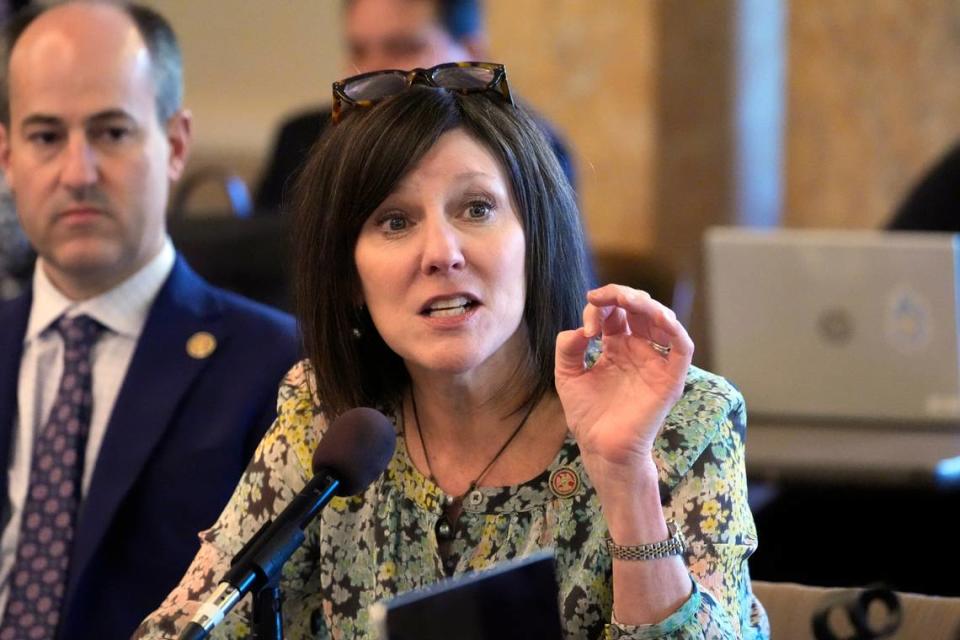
(352, 170)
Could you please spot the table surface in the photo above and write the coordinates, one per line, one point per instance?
(853, 453)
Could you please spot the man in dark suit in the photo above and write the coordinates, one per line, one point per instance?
(388, 34)
(132, 393)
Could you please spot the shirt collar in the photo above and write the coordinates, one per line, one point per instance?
(123, 309)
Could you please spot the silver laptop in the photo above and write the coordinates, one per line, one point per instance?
(837, 325)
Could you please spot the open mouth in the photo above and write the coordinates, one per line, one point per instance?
(449, 307)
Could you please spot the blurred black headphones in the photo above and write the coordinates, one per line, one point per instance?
(852, 609)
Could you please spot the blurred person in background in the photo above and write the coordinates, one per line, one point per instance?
(16, 258)
(933, 203)
(389, 34)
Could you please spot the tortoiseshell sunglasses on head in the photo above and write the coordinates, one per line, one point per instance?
(367, 89)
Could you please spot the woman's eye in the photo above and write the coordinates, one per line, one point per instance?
(393, 223)
(479, 209)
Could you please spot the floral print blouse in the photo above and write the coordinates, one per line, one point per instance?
(370, 547)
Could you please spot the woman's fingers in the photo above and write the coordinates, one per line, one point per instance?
(632, 311)
(614, 309)
(608, 308)
(616, 295)
(665, 333)
(604, 319)
(571, 347)
(660, 325)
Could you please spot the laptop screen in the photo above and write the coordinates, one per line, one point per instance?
(837, 324)
(514, 600)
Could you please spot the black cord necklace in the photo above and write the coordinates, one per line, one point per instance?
(451, 503)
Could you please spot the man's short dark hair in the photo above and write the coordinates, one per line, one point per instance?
(166, 64)
(355, 166)
(459, 18)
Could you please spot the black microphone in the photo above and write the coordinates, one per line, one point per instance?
(353, 453)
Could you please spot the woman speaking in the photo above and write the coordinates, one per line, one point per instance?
(440, 279)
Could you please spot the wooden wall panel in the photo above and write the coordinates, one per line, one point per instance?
(873, 97)
(590, 67)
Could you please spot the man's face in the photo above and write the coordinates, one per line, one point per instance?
(397, 34)
(85, 155)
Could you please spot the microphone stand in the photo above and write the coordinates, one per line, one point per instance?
(268, 611)
(257, 566)
(268, 554)
(365, 439)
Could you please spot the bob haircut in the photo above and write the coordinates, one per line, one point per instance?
(351, 171)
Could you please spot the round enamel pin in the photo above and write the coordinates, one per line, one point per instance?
(564, 482)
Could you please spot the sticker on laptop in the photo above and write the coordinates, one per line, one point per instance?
(908, 321)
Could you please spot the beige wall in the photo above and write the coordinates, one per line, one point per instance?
(247, 64)
(643, 90)
(590, 67)
(874, 96)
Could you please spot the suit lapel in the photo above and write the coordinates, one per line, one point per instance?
(159, 375)
(13, 320)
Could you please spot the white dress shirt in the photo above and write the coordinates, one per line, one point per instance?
(123, 311)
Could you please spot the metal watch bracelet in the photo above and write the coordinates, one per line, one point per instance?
(672, 546)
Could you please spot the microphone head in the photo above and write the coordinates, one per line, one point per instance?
(357, 447)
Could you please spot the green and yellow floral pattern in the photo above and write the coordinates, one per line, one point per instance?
(382, 543)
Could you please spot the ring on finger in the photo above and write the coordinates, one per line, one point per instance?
(662, 349)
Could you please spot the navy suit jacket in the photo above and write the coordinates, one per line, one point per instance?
(180, 435)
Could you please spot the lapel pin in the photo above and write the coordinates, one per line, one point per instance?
(564, 482)
(201, 345)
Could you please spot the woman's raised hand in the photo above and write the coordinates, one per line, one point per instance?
(616, 407)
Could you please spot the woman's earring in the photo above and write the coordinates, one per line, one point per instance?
(358, 322)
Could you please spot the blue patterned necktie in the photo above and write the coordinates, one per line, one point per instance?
(39, 573)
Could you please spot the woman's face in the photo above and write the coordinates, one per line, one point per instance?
(441, 264)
